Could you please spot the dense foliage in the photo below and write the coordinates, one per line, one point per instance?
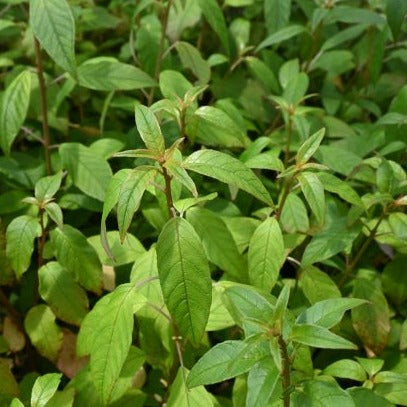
(202, 203)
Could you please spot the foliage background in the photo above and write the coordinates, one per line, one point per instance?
(229, 229)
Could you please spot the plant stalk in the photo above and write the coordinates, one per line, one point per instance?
(44, 107)
(285, 373)
(289, 139)
(168, 194)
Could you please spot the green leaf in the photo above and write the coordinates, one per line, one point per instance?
(74, 253)
(181, 396)
(89, 172)
(175, 169)
(266, 254)
(365, 397)
(184, 277)
(220, 248)
(123, 253)
(266, 161)
(174, 85)
(263, 73)
(317, 285)
(228, 169)
(16, 402)
(20, 236)
(313, 191)
(328, 313)
(341, 188)
(213, 127)
(65, 297)
(13, 109)
(43, 332)
(245, 303)
(321, 393)
(294, 217)
(191, 58)
(262, 383)
(276, 14)
(44, 388)
(395, 12)
(319, 337)
(53, 24)
(308, 148)
(47, 187)
(131, 191)
(214, 17)
(149, 129)
(106, 335)
(346, 369)
(343, 36)
(281, 35)
(108, 74)
(371, 321)
(54, 211)
(222, 362)
(334, 238)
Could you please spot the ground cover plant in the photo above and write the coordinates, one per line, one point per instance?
(202, 203)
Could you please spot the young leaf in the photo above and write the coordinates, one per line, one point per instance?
(47, 187)
(266, 254)
(89, 172)
(74, 253)
(43, 332)
(21, 233)
(13, 109)
(224, 361)
(65, 297)
(53, 24)
(215, 18)
(184, 277)
(228, 169)
(308, 148)
(149, 129)
(313, 191)
(328, 313)
(319, 337)
(44, 388)
(106, 335)
(108, 74)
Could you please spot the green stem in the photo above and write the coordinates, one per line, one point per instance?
(286, 191)
(46, 140)
(168, 194)
(164, 24)
(285, 373)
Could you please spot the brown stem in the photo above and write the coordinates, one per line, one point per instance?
(164, 24)
(350, 266)
(44, 107)
(168, 193)
(41, 239)
(285, 373)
